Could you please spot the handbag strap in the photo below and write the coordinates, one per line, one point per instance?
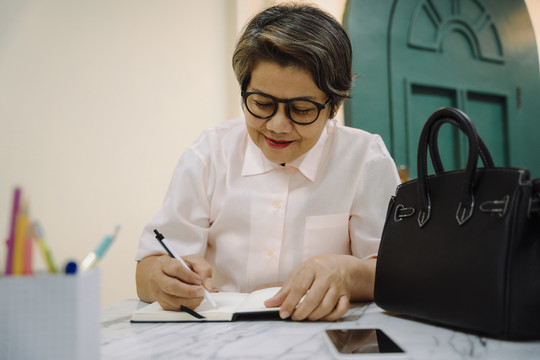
(433, 146)
(429, 134)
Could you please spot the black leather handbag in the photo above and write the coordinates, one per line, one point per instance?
(462, 248)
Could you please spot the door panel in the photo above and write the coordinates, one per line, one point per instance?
(491, 122)
(487, 111)
(424, 100)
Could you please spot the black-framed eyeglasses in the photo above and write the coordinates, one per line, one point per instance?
(300, 111)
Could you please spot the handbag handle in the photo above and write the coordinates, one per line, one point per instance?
(433, 146)
(428, 137)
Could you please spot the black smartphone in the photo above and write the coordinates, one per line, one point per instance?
(364, 343)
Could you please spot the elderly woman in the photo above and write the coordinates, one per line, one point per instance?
(284, 195)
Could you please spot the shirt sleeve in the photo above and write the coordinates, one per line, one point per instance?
(184, 216)
(379, 180)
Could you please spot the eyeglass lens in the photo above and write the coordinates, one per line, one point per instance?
(300, 111)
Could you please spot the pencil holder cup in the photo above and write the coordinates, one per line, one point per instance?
(50, 316)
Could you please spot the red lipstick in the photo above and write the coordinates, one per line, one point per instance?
(277, 144)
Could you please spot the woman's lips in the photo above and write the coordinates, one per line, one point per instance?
(277, 144)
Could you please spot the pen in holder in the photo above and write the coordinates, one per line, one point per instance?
(50, 316)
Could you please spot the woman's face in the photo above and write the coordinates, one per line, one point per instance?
(280, 139)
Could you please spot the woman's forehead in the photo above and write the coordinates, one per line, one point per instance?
(285, 82)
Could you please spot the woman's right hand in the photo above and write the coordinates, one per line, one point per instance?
(165, 280)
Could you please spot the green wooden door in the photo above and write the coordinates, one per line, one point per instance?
(414, 56)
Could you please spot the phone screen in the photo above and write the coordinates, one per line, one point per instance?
(362, 341)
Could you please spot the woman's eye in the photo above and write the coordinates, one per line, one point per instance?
(264, 104)
(303, 110)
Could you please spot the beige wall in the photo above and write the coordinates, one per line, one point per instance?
(534, 11)
(98, 99)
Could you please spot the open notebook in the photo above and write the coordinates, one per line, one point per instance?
(232, 306)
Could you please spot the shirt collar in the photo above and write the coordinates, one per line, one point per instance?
(255, 163)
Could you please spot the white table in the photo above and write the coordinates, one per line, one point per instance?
(289, 340)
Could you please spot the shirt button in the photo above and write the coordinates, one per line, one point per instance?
(276, 204)
(270, 254)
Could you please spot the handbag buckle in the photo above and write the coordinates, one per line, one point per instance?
(497, 207)
(402, 212)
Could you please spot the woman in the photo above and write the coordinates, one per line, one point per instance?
(284, 196)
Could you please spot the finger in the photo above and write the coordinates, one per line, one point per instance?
(177, 288)
(202, 268)
(311, 301)
(340, 309)
(169, 302)
(171, 293)
(299, 287)
(208, 284)
(174, 268)
(325, 305)
(277, 299)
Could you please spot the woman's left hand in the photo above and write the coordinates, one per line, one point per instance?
(326, 283)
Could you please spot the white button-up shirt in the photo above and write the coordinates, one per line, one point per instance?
(255, 221)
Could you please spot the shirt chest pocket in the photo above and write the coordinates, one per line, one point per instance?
(326, 234)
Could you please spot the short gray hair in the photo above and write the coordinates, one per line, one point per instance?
(299, 35)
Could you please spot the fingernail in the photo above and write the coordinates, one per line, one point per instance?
(208, 284)
(283, 314)
(200, 292)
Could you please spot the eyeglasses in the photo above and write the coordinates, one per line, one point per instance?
(300, 111)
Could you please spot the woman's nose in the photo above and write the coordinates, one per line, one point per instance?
(280, 122)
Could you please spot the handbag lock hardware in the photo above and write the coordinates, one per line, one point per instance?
(497, 207)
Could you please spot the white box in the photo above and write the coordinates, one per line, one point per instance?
(50, 316)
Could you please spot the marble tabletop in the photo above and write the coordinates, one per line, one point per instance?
(289, 340)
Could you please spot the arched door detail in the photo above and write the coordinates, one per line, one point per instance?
(433, 20)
